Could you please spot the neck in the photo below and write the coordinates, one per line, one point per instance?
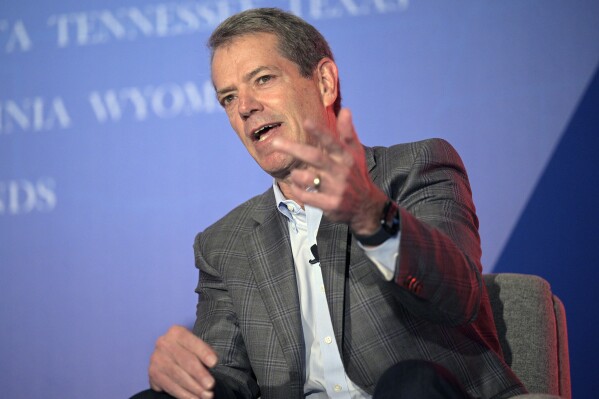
(285, 187)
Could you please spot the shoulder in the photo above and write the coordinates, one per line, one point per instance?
(408, 157)
(407, 153)
(403, 167)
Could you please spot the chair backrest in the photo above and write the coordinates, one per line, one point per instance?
(531, 324)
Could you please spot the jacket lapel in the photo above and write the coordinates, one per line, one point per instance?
(332, 247)
(371, 164)
(271, 260)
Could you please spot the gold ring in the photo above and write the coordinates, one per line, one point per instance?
(316, 182)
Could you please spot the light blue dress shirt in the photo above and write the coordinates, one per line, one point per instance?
(325, 375)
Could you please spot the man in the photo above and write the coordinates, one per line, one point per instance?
(358, 270)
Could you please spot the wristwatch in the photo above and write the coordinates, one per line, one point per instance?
(389, 226)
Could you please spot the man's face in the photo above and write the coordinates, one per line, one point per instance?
(265, 96)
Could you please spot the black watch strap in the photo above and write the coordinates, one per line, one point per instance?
(389, 226)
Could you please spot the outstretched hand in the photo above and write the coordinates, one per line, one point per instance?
(345, 191)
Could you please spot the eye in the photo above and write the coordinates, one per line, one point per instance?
(264, 79)
(226, 100)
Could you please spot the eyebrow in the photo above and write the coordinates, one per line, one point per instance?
(246, 78)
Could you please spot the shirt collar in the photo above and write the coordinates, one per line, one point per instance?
(292, 211)
(288, 208)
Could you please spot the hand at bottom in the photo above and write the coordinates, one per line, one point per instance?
(180, 363)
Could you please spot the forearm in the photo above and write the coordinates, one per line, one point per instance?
(437, 264)
(427, 273)
(439, 280)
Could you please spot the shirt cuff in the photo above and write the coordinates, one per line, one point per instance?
(384, 255)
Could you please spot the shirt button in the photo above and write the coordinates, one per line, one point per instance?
(328, 340)
(322, 288)
(290, 207)
(337, 388)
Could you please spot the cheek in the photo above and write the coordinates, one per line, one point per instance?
(309, 102)
(231, 116)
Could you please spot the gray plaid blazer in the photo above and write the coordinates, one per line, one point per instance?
(436, 308)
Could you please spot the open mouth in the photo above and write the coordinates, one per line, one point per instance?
(261, 133)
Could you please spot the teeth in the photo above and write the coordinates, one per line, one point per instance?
(258, 133)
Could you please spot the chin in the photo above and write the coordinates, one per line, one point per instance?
(281, 168)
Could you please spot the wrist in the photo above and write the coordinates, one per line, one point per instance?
(366, 220)
(388, 226)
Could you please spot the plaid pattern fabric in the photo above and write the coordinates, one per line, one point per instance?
(436, 308)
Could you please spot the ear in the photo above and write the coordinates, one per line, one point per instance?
(328, 78)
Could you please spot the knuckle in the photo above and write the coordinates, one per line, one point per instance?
(155, 377)
(161, 343)
(156, 367)
(153, 360)
(349, 160)
(192, 366)
(174, 330)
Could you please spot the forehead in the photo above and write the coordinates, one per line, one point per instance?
(245, 50)
(259, 40)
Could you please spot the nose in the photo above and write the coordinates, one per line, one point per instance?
(248, 104)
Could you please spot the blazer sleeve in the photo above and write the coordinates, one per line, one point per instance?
(216, 323)
(438, 270)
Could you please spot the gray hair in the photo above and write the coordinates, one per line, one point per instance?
(298, 41)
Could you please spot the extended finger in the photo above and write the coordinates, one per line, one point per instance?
(308, 154)
(326, 202)
(326, 197)
(324, 137)
(308, 179)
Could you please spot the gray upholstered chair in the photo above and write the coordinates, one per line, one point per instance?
(531, 323)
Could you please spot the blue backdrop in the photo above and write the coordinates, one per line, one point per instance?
(114, 154)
